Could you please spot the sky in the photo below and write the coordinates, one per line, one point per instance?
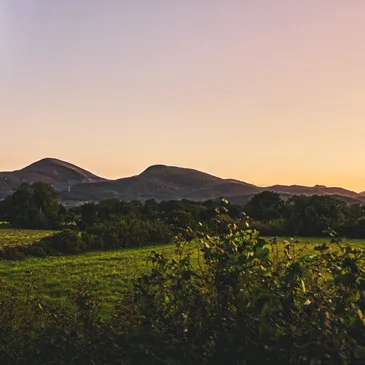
(263, 91)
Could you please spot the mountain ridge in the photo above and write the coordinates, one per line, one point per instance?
(59, 174)
(160, 182)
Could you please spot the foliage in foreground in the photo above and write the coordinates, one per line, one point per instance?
(245, 303)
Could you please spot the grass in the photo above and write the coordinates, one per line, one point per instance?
(305, 245)
(12, 237)
(55, 278)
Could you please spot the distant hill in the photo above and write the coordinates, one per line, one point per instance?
(159, 182)
(315, 190)
(162, 183)
(59, 174)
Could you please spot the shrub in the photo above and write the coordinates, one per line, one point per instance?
(65, 242)
(130, 232)
(247, 303)
(12, 253)
(277, 227)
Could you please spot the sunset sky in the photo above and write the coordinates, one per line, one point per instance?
(259, 90)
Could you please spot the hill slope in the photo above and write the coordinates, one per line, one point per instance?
(59, 174)
(158, 182)
(315, 190)
(162, 182)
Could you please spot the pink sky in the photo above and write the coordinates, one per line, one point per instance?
(263, 91)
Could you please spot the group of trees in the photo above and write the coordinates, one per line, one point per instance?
(33, 205)
(270, 214)
(305, 215)
(36, 205)
(112, 224)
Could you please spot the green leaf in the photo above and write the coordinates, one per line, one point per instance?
(303, 286)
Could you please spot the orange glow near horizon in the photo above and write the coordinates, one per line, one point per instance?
(265, 92)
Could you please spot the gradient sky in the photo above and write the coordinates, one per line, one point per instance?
(260, 90)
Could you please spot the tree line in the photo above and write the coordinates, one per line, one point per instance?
(113, 224)
(308, 216)
(110, 224)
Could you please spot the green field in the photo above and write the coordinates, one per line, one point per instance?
(12, 237)
(56, 277)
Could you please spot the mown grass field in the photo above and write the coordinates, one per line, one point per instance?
(54, 278)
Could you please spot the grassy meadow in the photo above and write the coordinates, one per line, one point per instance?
(13, 237)
(54, 278)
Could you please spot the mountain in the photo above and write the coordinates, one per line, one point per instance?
(162, 182)
(59, 174)
(159, 182)
(315, 190)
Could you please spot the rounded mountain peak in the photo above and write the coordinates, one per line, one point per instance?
(179, 176)
(48, 161)
(55, 167)
(154, 169)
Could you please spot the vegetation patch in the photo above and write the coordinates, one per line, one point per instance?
(229, 298)
(182, 282)
(21, 237)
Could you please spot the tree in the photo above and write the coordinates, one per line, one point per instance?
(2, 210)
(33, 206)
(107, 208)
(265, 206)
(180, 218)
(89, 215)
(151, 209)
(310, 216)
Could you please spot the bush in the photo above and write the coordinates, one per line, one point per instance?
(12, 253)
(277, 227)
(248, 303)
(65, 242)
(130, 232)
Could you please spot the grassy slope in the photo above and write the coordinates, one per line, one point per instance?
(12, 237)
(56, 277)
